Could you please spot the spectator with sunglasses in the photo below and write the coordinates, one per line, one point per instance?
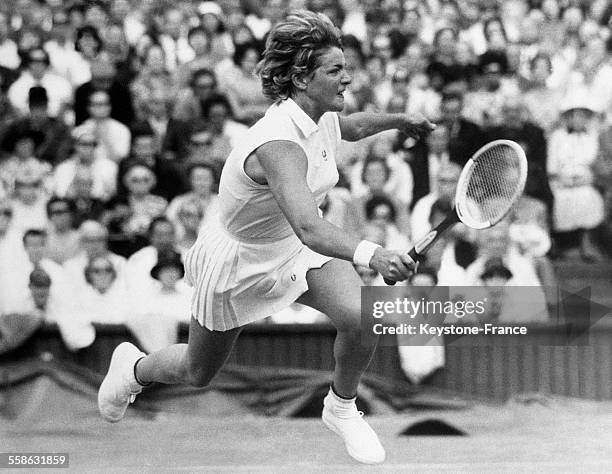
(104, 299)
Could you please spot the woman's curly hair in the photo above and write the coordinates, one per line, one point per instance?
(293, 47)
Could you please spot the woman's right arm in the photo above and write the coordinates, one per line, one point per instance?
(284, 165)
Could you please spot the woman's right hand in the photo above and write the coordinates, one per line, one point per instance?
(393, 264)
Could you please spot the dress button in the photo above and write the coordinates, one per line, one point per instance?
(293, 277)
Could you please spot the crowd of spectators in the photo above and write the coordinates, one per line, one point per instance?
(116, 117)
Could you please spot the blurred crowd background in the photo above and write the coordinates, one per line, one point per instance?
(116, 117)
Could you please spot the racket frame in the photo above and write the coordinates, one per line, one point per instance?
(457, 215)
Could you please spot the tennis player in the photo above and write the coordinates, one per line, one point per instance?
(271, 246)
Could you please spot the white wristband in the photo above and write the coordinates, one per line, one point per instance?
(364, 252)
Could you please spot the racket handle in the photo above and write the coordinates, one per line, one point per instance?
(416, 258)
(418, 251)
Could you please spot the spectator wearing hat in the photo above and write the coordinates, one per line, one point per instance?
(51, 136)
(113, 137)
(62, 238)
(504, 304)
(38, 73)
(104, 77)
(163, 306)
(101, 170)
(93, 241)
(483, 106)
(161, 236)
(572, 151)
(212, 20)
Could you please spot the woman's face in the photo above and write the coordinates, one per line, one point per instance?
(496, 40)
(249, 61)
(199, 43)
(541, 70)
(375, 176)
(550, 8)
(155, 60)
(446, 42)
(326, 85)
(101, 274)
(88, 45)
(169, 277)
(140, 181)
(201, 180)
(190, 216)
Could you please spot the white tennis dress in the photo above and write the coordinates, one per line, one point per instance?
(249, 263)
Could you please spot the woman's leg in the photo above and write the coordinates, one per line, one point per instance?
(335, 290)
(194, 363)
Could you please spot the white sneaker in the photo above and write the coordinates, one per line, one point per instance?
(119, 388)
(343, 418)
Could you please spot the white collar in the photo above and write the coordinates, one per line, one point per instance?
(301, 119)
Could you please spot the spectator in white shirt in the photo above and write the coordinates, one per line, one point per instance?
(113, 137)
(104, 299)
(63, 240)
(102, 170)
(8, 49)
(93, 239)
(42, 303)
(29, 200)
(37, 73)
(14, 275)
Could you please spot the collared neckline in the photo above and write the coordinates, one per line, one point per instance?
(306, 125)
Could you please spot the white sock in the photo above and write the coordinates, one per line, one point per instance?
(341, 406)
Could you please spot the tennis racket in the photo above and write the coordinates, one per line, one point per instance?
(489, 184)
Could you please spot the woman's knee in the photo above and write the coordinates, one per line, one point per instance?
(197, 375)
(348, 320)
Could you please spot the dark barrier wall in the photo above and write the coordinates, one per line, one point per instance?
(492, 371)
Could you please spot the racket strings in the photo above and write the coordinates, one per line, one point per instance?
(494, 184)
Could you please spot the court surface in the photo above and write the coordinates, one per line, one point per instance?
(533, 435)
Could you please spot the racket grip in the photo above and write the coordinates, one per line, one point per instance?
(416, 258)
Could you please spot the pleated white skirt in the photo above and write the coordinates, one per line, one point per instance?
(237, 282)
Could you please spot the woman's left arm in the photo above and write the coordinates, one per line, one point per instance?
(360, 125)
